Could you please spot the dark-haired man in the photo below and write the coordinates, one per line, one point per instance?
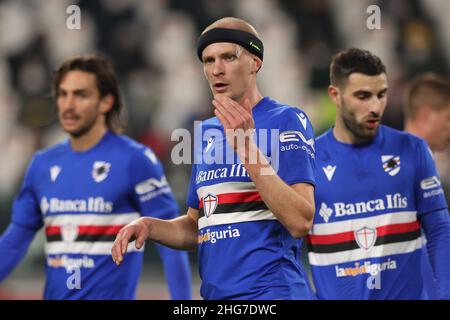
(427, 110)
(427, 115)
(376, 187)
(85, 189)
(244, 215)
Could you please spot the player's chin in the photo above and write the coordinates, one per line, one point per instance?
(368, 133)
(74, 131)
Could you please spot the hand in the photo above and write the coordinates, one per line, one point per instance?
(237, 121)
(138, 230)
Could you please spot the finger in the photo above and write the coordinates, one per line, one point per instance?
(247, 106)
(225, 123)
(242, 112)
(140, 241)
(244, 109)
(116, 252)
(113, 252)
(231, 118)
(124, 245)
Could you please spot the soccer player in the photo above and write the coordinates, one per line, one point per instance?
(376, 187)
(427, 115)
(427, 110)
(244, 216)
(85, 189)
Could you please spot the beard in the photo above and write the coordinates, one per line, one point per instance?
(84, 127)
(357, 128)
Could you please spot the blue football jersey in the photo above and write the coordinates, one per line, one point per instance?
(366, 239)
(82, 199)
(244, 252)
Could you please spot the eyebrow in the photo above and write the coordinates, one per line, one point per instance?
(76, 91)
(366, 92)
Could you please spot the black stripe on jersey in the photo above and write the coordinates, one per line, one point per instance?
(237, 207)
(85, 237)
(350, 245)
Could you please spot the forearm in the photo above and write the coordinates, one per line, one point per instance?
(180, 233)
(291, 208)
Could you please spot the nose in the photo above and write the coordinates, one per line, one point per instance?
(66, 102)
(377, 106)
(218, 68)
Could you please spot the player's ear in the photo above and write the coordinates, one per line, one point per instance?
(256, 64)
(333, 93)
(106, 103)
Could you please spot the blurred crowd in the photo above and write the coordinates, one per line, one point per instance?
(152, 43)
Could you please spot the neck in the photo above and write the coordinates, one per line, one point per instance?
(413, 128)
(89, 139)
(254, 96)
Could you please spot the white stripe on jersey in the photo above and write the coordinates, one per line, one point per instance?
(100, 247)
(357, 223)
(235, 217)
(326, 259)
(91, 219)
(226, 187)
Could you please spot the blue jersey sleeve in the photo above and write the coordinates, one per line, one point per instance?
(177, 272)
(294, 159)
(437, 230)
(192, 197)
(151, 191)
(14, 244)
(429, 192)
(25, 209)
(154, 198)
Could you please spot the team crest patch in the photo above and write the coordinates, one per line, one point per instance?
(69, 232)
(391, 164)
(366, 237)
(100, 170)
(210, 204)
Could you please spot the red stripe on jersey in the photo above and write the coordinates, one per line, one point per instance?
(331, 238)
(94, 230)
(398, 228)
(236, 197)
(350, 235)
(50, 231)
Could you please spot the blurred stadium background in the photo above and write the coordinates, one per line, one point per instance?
(152, 43)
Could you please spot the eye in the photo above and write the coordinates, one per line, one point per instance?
(81, 94)
(208, 60)
(230, 57)
(362, 96)
(60, 94)
(382, 95)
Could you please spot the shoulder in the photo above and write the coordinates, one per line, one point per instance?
(323, 138)
(284, 111)
(52, 152)
(135, 150)
(287, 117)
(403, 138)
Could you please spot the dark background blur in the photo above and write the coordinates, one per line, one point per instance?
(152, 43)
